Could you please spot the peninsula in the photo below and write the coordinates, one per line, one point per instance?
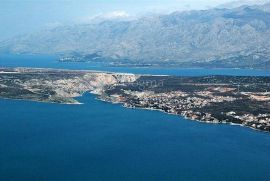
(243, 100)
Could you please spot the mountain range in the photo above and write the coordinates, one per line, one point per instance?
(237, 37)
(238, 3)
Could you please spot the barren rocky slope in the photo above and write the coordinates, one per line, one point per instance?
(233, 36)
(56, 86)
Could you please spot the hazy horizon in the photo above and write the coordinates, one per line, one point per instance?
(24, 16)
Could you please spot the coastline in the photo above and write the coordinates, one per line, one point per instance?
(206, 99)
(46, 102)
(122, 104)
(179, 115)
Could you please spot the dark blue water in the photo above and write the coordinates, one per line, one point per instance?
(52, 62)
(103, 141)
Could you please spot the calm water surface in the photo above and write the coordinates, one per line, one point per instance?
(103, 141)
(52, 62)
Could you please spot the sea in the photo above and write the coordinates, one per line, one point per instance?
(100, 141)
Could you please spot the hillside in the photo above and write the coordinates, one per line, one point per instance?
(195, 37)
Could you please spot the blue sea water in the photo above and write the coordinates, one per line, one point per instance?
(104, 141)
(43, 61)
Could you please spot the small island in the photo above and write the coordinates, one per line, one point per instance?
(242, 100)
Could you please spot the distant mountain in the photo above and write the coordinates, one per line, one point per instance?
(238, 3)
(196, 37)
(111, 16)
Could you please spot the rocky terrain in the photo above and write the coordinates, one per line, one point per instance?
(237, 37)
(212, 99)
(55, 86)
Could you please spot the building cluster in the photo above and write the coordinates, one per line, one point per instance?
(182, 103)
(175, 101)
(261, 121)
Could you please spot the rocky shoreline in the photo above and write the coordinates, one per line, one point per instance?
(181, 115)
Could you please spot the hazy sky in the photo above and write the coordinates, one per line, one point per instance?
(21, 16)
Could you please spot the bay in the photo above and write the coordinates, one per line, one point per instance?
(104, 141)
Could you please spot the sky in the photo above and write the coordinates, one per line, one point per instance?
(24, 16)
